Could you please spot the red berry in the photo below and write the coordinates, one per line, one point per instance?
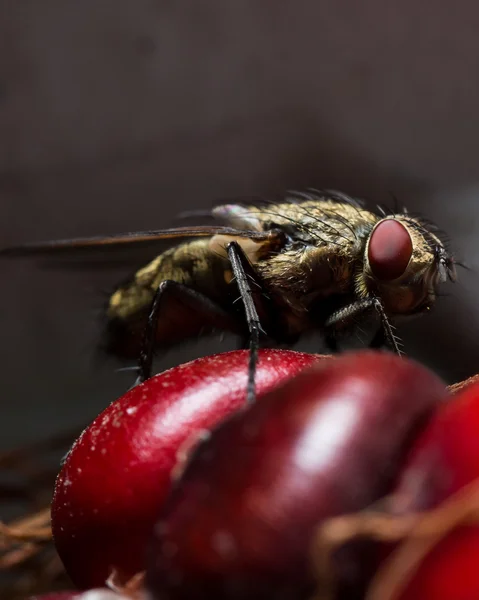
(57, 596)
(119, 471)
(240, 522)
(445, 459)
(97, 594)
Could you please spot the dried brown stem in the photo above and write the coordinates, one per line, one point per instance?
(457, 387)
(134, 588)
(42, 534)
(14, 557)
(28, 559)
(418, 533)
(460, 509)
(24, 539)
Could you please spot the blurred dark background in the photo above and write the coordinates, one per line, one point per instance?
(117, 115)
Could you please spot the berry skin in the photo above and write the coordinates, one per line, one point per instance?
(96, 594)
(444, 460)
(119, 471)
(240, 522)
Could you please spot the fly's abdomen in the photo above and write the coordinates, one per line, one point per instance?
(193, 265)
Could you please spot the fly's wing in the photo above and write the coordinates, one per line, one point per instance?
(242, 220)
(122, 250)
(132, 239)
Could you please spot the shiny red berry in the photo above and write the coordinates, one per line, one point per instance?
(118, 473)
(444, 460)
(240, 522)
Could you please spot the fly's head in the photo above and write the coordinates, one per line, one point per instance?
(404, 263)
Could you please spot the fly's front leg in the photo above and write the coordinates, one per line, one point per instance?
(391, 339)
(171, 295)
(354, 310)
(239, 265)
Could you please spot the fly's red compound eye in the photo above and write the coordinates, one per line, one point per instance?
(390, 250)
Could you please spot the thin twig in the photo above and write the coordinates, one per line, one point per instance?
(461, 385)
(418, 532)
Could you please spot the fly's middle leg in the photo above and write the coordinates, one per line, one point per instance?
(240, 267)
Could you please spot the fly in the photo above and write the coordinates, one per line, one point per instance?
(317, 261)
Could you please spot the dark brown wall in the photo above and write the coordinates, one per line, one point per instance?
(117, 115)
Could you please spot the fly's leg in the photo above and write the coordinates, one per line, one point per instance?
(239, 265)
(391, 339)
(173, 292)
(354, 310)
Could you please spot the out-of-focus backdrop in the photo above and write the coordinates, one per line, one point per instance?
(115, 116)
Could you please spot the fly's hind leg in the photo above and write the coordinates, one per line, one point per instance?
(171, 295)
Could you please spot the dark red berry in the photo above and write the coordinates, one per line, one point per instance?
(240, 522)
(444, 460)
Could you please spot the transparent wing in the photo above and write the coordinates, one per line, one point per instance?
(131, 239)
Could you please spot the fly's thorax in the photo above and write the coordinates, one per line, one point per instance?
(301, 276)
(403, 264)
